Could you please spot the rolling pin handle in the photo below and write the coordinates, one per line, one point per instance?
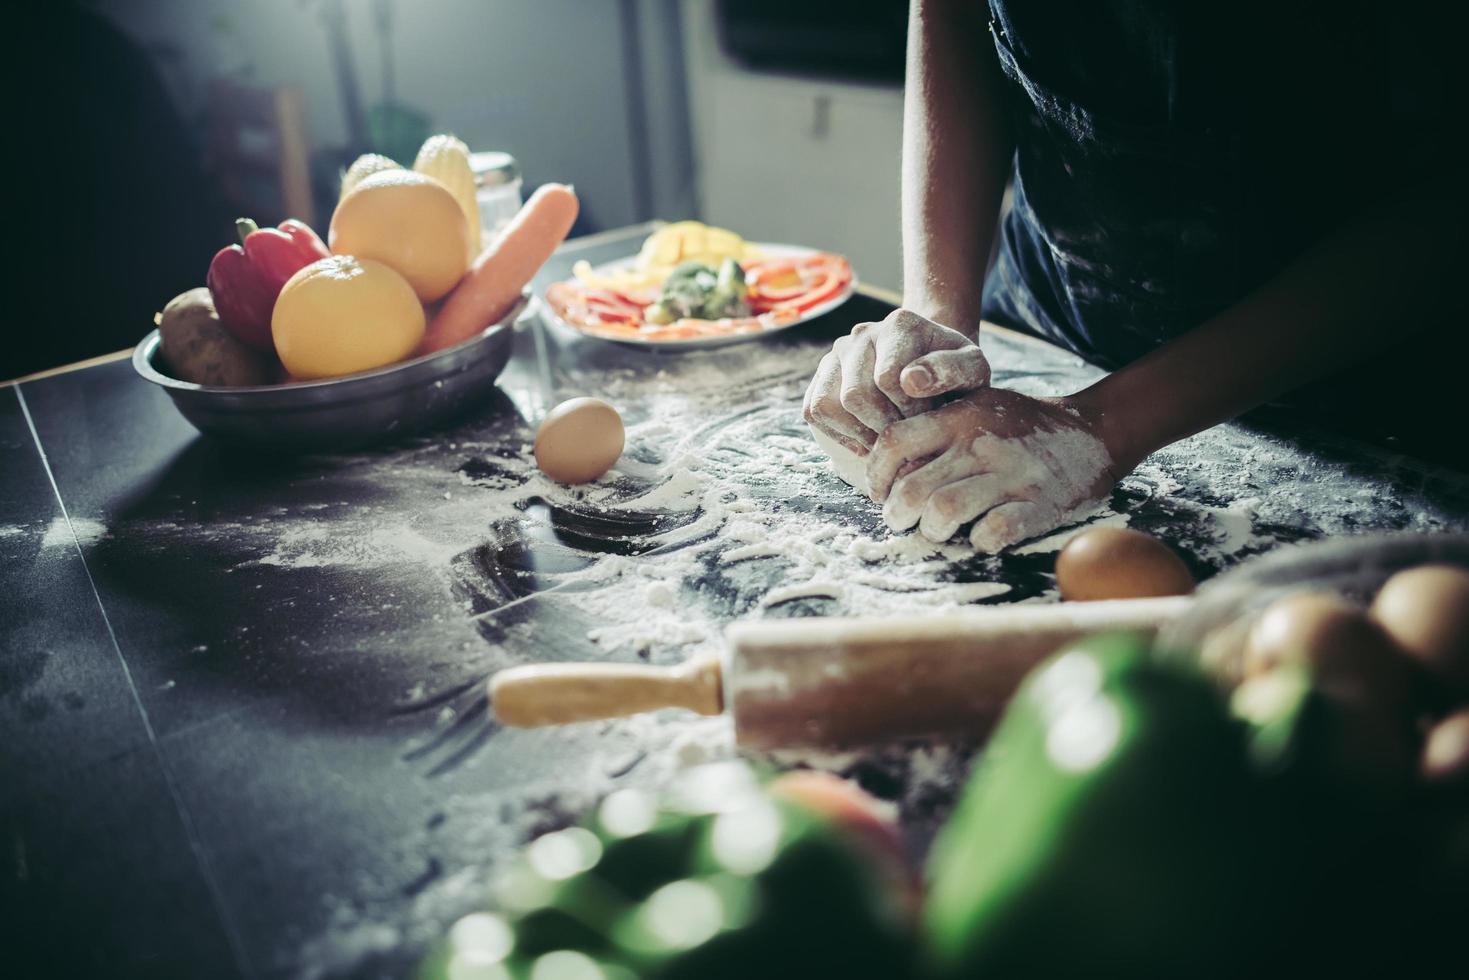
(533, 695)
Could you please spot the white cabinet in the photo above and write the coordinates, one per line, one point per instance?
(791, 159)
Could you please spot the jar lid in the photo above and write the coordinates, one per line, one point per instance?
(493, 168)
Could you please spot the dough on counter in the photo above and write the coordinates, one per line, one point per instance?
(850, 468)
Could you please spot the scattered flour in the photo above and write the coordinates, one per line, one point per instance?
(1057, 541)
(813, 589)
(78, 531)
(720, 445)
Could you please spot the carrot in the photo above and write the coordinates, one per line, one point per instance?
(496, 278)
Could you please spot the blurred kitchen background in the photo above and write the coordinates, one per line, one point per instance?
(778, 120)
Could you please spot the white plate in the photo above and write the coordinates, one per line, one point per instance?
(772, 250)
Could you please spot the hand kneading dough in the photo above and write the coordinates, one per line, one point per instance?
(848, 466)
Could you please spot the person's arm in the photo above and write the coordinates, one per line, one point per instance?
(957, 149)
(956, 159)
(1377, 281)
(1020, 466)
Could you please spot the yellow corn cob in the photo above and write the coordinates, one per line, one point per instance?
(446, 159)
(363, 167)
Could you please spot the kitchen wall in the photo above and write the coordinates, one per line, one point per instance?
(792, 158)
(631, 100)
(546, 80)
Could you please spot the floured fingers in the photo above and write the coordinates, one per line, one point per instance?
(906, 441)
(1012, 522)
(956, 504)
(911, 493)
(858, 392)
(823, 409)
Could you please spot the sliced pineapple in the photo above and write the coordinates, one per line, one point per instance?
(685, 241)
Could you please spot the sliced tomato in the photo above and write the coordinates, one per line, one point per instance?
(824, 290)
(581, 305)
(797, 284)
(780, 291)
(611, 307)
(778, 294)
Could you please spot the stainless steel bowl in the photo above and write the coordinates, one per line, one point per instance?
(1225, 608)
(348, 412)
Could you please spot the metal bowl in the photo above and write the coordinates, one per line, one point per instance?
(348, 412)
(1219, 619)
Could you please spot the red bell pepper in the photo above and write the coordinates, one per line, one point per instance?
(245, 279)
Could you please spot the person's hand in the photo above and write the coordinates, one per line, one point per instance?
(1018, 466)
(883, 372)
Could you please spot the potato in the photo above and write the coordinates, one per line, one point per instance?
(1425, 610)
(1349, 655)
(1446, 752)
(198, 348)
(1354, 666)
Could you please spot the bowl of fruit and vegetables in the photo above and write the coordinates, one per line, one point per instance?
(396, 322)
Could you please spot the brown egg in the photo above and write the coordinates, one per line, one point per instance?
(1425, 611)
(579, 440)
(1446, 752)
(1119, 563)
(1350, 658)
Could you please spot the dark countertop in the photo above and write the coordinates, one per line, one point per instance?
(240, 697)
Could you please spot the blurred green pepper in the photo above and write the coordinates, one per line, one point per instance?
(1103, 832)
(1347, 843)
(717, 881)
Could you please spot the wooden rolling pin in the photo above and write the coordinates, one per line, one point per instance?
(833, 682)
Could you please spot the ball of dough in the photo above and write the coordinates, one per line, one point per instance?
(198, 348)
(850, 468)
(1119, 563)
(579, 440)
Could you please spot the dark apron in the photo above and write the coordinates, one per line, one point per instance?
(1172, 157)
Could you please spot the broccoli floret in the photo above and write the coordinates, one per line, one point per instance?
(693, 289)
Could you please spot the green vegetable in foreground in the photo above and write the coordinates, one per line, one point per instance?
(718, 882)
(1101, 833)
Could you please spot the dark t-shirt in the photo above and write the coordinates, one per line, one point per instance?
(1173, 156)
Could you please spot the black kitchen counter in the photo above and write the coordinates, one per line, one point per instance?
(242, 723)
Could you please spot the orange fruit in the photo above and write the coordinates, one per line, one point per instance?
(341, 315)
(408, 221)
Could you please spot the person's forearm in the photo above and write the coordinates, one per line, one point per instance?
(956, 159)
(1366, 287)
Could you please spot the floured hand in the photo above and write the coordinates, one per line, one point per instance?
(883, 372)
(1018, 466)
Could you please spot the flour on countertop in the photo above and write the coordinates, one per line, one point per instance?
(1059, 539)
(722, 508)
(70, 533)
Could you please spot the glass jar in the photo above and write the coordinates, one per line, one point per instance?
(496, 190)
